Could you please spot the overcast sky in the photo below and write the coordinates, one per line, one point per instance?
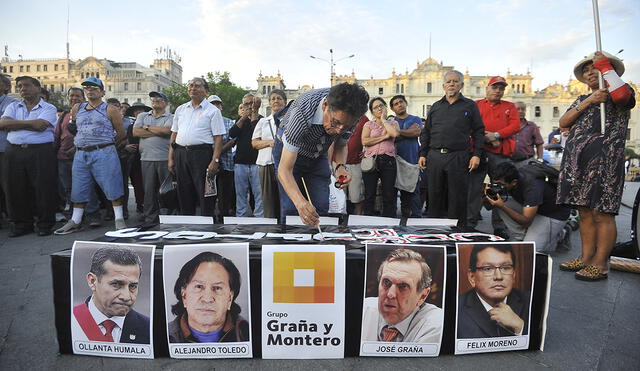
(247, 37)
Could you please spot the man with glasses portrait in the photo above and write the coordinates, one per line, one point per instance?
(493, 307)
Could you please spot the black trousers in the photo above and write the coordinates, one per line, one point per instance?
(386, 172)
(30, 184)
(448, 181)
(191, 168)
(226, 193)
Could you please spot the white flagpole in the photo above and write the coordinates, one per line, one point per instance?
(596, 21)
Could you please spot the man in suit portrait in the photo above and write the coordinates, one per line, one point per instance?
(493, 307)
(107, 315)
(400, 313)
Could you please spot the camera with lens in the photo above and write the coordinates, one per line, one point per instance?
(495, 190)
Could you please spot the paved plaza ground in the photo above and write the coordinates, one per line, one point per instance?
(591, 326)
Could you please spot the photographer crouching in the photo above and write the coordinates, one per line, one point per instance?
(526, 202)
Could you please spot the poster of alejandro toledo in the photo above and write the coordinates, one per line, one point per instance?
(111, 296)
(303, 301)
(403, 308)
(206, 290)
(495, 284)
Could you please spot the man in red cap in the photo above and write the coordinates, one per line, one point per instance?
(501, 123)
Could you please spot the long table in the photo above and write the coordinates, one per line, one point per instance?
(355, 273)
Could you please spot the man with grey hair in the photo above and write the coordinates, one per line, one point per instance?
(107, 315)
(453, 126)
(400, 312)
(5, 100)
(246, 175)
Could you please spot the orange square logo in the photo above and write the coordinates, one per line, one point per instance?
(303, 277)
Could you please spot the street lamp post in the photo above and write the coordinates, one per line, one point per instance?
(331, 62)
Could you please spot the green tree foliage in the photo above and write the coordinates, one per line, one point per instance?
(220, 84)
(629, 152)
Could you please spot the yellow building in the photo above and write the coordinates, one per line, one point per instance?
(423, 86)
(127, 81)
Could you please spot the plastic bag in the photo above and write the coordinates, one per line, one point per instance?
(210, 188)
(168, 193)
(337, 199)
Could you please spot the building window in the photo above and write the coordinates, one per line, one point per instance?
(10, 69)
(63, 67)
(52, 88)
(628, 133)
(139, 100)
(556, 112)
(44, 68)
(537, 111)
(28, 68)
(4, 69)
(397, 88)
(380, 91)
(401, 88)
(429, 87)
(38, 68)
(126, 86)
(98, 74)
(139, 86)
(477, 90)
(264, 89)
(82, 75)
(55, 67)
(158, 88)
(126, 100)
(21, 68)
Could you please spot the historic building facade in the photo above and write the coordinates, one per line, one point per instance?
(127, 81)
(423, 87)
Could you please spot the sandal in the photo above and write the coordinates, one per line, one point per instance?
(572, 265)
(591, 273)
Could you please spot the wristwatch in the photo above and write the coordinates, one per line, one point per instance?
(497, 135)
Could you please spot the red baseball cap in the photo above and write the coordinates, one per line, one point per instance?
(497, 80)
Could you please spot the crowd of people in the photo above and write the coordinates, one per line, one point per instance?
(283, 164)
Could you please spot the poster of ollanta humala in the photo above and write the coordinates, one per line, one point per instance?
(303, 303)
(206, 290)
(403, 307)
(111, 299)
(495, 285)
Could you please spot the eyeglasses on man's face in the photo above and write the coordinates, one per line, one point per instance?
(489, 270)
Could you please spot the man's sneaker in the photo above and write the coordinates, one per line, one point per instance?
(70, 227)
(60, 217)
(120, 224)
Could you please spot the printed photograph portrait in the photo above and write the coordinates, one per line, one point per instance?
(404, 294)
(111, 292)
(207, 293)
(494, 289)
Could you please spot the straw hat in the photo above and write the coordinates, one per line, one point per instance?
(617, 64)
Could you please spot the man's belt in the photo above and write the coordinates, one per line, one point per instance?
(444, 150)
(93, 148)
(193, 147)
(34, 145)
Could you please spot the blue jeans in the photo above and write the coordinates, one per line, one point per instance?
(246, 176)
(101, 165)
(316, 174)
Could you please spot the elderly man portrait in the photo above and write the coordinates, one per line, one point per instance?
(452, 125)
(315, 121)
(29, 164)
(153, 128)
(195, 147)
(492, 307)
(107, 315)
(206, 311)
(400, 312)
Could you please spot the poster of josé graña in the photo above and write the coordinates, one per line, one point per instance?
(206, 290)
(111, 299)
(403, 308)
(495, 282)
(303, 301)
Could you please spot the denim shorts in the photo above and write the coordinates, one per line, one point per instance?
(101, 165)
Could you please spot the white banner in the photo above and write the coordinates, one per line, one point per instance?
(303, 301)
(206, 290)
(112, 299)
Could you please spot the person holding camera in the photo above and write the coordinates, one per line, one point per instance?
(527, 205)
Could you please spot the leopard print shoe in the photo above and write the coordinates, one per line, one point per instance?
(572, 265)
(591, 273)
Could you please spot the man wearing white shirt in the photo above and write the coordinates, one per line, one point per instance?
(195, 147)
(107, 315)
